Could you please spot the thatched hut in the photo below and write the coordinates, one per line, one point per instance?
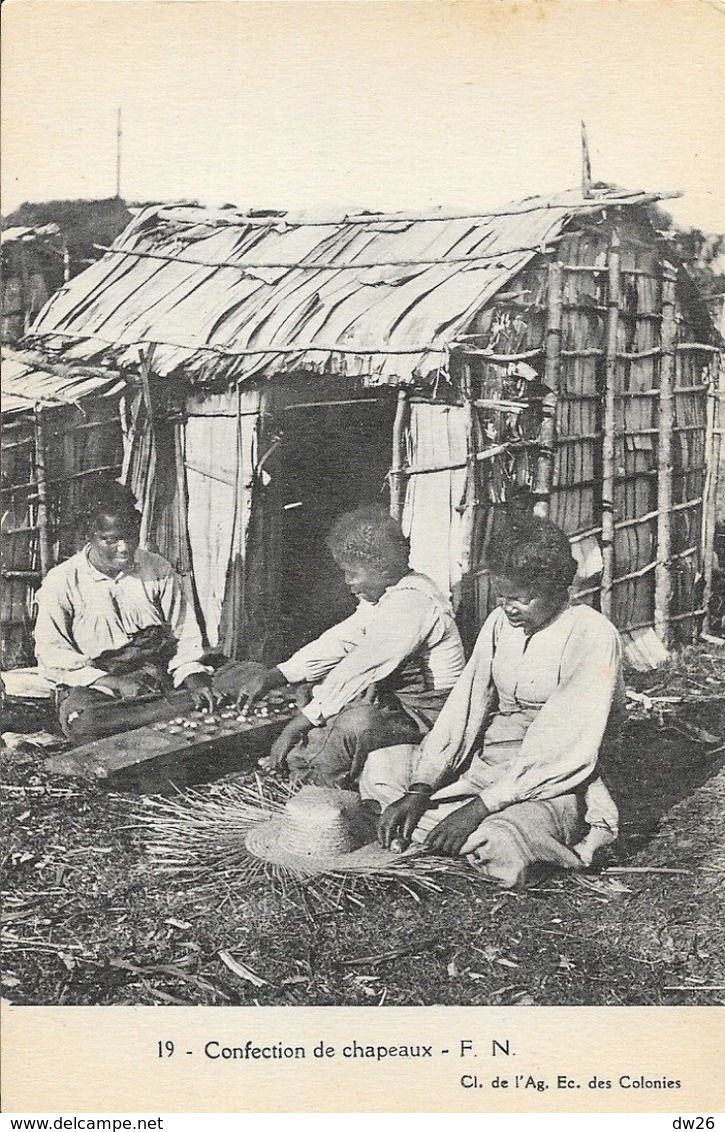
(281, 367)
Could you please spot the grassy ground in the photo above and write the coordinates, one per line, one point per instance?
(89, 921)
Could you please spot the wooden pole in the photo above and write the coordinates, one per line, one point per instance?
(713, 445)
(24, 290)
(397, 469)
(237, 564)
(663, 574)
(480, 457)
(614, 264)
(544, 475)
(118, 153)
(44, 551)
(586, 165)
(145, 372)
(471, 496)
(145, 486)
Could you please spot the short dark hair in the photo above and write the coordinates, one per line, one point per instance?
(372, 536)
(533, 552)
(105, 496)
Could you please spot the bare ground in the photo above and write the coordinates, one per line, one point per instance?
(88, 920)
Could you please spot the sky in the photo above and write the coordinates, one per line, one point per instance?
(384, 104)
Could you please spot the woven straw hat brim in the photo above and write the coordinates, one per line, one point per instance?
(263, 841)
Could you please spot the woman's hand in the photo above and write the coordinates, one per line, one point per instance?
(198, 684)
(119, 661)
(293, 733)
(128, 686)
(303, 694)
(398, 821)
(256, 686)
(147, 644)
(451, 834)
(150, 641)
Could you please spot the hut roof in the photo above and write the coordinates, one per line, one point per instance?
(44, 234)
(228, 295)
(28, 383)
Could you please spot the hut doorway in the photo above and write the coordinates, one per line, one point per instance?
(333, 458)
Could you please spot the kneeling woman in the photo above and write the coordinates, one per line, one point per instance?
(382, 675)
(511, 762)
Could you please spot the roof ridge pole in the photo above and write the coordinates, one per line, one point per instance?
(663, 569)
(544, 473)
(397, 478)
(614, 265)
(713, 446)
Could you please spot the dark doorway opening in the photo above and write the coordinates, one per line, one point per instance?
(333, 458)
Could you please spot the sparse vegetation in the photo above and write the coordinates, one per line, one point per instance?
(88, 920)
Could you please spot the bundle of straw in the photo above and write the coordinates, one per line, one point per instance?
(200, 836)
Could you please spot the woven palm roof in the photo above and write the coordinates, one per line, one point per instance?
(27, 383)
(228, 295)
(44, 233)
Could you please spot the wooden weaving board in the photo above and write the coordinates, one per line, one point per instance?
(190, 747)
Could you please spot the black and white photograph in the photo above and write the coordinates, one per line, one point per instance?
(363, 505)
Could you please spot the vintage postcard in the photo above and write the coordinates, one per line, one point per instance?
(363, 609)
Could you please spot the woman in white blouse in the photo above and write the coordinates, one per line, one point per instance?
(379, 677)
(508, 775)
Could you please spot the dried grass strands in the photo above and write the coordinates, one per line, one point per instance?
(200, 836)
(214, 823)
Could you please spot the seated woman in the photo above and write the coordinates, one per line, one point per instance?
(114, 626)
(500, 778)
(381, 676)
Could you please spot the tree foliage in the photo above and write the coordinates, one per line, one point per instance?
(85, 224)
(703, 253)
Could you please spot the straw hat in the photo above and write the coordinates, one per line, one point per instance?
(320, 830)
(240, 834)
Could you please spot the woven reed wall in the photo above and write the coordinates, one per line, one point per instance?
(77, 440)
(516, 325)
(19, 540)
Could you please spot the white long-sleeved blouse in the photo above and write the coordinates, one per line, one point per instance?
(533, 711)
(412, 620)
(83, 612)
